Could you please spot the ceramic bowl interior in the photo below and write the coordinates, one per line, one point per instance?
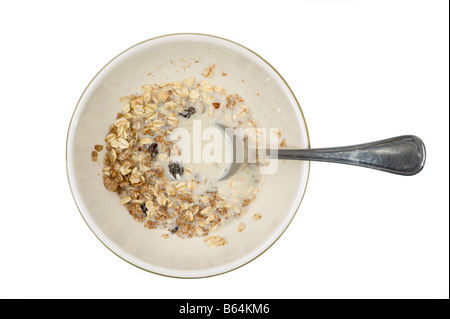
(173, 58)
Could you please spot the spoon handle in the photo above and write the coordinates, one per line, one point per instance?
(403, 155)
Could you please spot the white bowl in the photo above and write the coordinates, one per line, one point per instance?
(173, 58)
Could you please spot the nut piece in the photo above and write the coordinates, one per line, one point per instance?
(241, 227)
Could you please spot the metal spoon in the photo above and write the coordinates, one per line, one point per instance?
(403, 155)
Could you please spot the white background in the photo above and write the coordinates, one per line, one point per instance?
(361, 70)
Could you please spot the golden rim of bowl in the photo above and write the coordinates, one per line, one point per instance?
(205, 35)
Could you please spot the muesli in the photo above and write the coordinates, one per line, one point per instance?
(185, 199)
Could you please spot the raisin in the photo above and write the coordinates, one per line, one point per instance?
(173, 231)
(175, 169)
(188, 112)
(153, 149)
(144, 209)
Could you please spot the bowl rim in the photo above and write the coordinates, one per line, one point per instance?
(200, 35)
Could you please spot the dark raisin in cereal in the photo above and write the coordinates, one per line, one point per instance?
(173, 231)
(188, 112)
(144, 209)
(175, 169)
(153, 149)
